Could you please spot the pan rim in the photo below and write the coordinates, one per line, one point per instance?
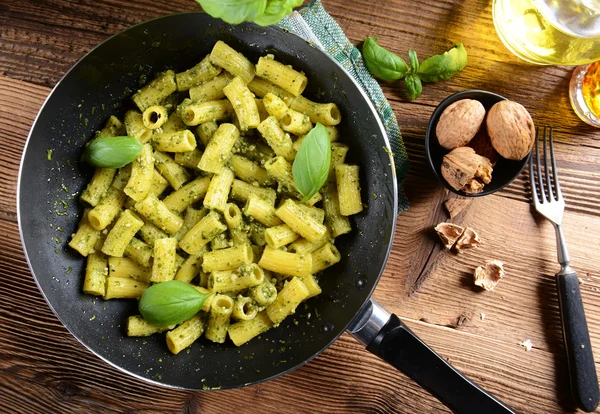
(334, 338)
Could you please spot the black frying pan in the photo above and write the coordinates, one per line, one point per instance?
(100, 85)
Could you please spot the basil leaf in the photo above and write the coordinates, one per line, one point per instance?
(444, 66)
(381, 62)
(414, 61)
(234, 11)
(311, 165)
(113, 152)
(413, 86)
(170, 303)
(276, 10)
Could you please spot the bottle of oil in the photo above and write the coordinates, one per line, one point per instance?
(584, 93)
(550, 32)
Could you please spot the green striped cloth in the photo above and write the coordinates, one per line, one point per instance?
(316, 26)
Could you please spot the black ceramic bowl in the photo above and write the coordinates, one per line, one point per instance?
(505, 171)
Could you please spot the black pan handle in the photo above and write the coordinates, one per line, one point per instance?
(584, 381)
(387, 337)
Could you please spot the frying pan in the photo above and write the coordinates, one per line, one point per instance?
(51, 178)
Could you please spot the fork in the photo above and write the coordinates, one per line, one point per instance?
(549, 202)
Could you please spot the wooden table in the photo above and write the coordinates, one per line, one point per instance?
(44, 369)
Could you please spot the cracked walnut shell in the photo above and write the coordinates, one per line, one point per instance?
(511, 130)
(467, 240)
(466, 171)
(449, 233)
(488, 275)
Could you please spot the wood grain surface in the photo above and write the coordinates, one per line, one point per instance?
(44, 369)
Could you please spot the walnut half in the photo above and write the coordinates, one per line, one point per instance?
(488, 275)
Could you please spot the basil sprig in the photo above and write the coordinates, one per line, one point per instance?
(311, 165)
(112, 152)
(381, 62)
(262, 12)
(387, 66)
(170, 303)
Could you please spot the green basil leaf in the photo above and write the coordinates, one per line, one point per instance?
(414, 61)
(276, 10)
(170, 303)
(311, 165)
(113, 152)
(413, 86)
(381, 62)
(234, 11)
(444, 66)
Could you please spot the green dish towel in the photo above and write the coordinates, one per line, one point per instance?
(315, 25)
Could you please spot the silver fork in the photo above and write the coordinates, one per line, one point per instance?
(549, 202)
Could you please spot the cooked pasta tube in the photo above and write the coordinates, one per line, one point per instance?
(190, 268)
(261, 210)
(157, 90)
(281, 75)
(107, 209)
(348, 189)
(159, 214)
(96, 188)
(85, 237)
(159, 184)
(288, 299)
(202, 233)
(187, 195)
(218, 318)
(124, 288)
(122, 177)
(142, 171)
(138, 326)
(190, 219)
(295, 123)
(96, 271)
(232, 61)
(175, 174)
(243, 103)
(198, 113)
(263, 294)
(189, 159)
(155, 116)
(244, 309)
(202, 72)
(210, 90)
(233, 218)
(278, 140)
(134, 124)
(249, 171)
(206, 131)
(243, 331)
(121, 234)
(165, 264)
(285, 263)
(139, 252)
(300, 221)
(113, 128)
(241, 191)
(179, 141)
(274, 105)
(324, 257)
(219, 148)
(218, 190)
(246, 276)
(327, 114)
(280, 236)
(337, 223)
(229, 258)
(126, 268)
(185, 334)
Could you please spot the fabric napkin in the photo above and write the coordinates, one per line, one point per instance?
(315, 25)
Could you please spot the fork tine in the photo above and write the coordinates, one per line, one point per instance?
(539, 169)
(554, 170)
(534, 194)
(550, 194)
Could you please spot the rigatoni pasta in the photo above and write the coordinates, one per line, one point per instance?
(211, 200)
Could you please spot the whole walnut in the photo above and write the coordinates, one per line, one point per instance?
(511, 130)
(459, 123)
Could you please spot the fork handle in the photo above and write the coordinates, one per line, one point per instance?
(582, 371)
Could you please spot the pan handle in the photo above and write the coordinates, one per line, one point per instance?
(388, 338)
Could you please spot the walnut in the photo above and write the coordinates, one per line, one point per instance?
(459, 123)
(449, 233)
(467, 240)
(482, 145)
(466, 171)
(456, 205)
(489, 275)
(511, 129)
